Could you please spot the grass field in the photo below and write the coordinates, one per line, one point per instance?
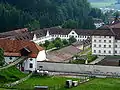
(95, 84)
(45, 81)
(10, 75)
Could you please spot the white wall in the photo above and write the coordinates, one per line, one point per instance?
(100, 41)
(41, 56)
(117, 49)
(43, 39)
(52, 37)
(26, 64)
(10, 59)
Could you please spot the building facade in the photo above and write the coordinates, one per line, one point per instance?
(14, 49)
(51, 34)
(106, 42)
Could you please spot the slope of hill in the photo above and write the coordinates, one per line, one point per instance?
(10, 75)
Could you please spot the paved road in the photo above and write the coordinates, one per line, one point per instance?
(100, 58)
(80, 68)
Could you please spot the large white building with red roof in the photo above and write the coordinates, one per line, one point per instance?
(18, 48)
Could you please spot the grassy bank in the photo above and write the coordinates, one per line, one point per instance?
(45, 81)
(10, 75)
(95, 84)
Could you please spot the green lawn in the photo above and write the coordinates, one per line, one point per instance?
(45, 81)
(10, 75)
(99, 84)
(95, 84)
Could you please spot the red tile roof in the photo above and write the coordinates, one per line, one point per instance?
(13, 47)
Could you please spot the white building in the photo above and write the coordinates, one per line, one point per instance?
(106, 42)
(40, 36)
(17, 48)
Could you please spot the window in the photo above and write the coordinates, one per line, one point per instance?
(31, 65)
(94, 45)
(109, 36)
(99, 40)
(99, 51)
(31, 59)
(104, 36)
(104, 46)
(115, 51)
(104, 40)
(104, 51)
(99, 45)
(109, 41)
(94, 51)
(109, 46)
(10, 58)
(110, 52)
(116, 46)
(72, 32)
(94, 40)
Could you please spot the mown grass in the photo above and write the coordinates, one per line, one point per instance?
(95, 84)
(45, 81)
(10, 75)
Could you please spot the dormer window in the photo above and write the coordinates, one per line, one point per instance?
(31, 59)
(10, 58)
(72, 32)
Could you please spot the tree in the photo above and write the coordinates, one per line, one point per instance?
(65, 42)
(58, 43)
(72, 40)
(33, 25)
(2, 60)
(37, 14)
(70, 24)
(46, 44)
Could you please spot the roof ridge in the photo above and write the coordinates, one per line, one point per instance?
(111, 30)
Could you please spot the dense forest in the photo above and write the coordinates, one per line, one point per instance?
(35, 14)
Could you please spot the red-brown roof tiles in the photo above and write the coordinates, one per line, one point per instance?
(13, 47)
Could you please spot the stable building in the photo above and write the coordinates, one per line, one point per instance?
(20, 48)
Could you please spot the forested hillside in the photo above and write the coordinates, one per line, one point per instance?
(36, 14)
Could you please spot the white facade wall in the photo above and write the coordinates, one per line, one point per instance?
(103, 45)
(43, 39)
(9, 60)
(41, 56)
(27, 63)
(117, 47)
(52, 37)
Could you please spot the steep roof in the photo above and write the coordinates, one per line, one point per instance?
(84, 32)
(59, 31)
(103, 33)
(13, 47)
(14, 32)
(40, 33)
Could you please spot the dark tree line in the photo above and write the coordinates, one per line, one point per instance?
(44, 13)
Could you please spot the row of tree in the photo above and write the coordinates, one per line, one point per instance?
(58, 43)
(46, 13)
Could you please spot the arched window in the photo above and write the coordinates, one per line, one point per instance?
(31, 65)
